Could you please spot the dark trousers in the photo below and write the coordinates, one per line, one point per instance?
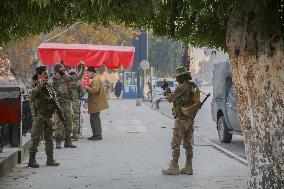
(157, 102)
(95, 121)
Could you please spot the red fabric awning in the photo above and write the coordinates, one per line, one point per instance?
(93, 55)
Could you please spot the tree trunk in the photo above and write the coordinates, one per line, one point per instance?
(185, 56)
(256, 55)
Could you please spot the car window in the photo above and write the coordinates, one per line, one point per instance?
(228, 85)
(159, 83)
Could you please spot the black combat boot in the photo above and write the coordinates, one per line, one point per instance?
(99, 137)
(51, 162)
(68, 144)
(75, 137)
(58, 143)
(173, 168)
(32, 161)
(91, 138)
(187, 168)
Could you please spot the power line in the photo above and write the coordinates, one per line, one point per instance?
(62, 32)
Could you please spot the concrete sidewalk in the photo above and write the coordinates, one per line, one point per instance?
(134, 149)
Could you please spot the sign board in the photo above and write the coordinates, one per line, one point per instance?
(129, 85)
(144, 64)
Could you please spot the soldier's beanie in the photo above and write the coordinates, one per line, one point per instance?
(57, 67)
(40, 69)
(91, 69)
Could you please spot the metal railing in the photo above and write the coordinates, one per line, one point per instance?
(26, 117)
(4, 135)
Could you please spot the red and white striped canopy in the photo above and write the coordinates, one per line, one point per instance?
(93, 55)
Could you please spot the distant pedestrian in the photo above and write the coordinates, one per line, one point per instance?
(97, 101)
(156, 103)
(107, 87)
(150, 91)
(118, 89)
(42, 109)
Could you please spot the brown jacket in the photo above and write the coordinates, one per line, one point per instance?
(97, 100)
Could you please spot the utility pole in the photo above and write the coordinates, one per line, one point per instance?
(141, 53)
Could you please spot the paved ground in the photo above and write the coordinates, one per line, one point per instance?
(206, 127)
(136, 146)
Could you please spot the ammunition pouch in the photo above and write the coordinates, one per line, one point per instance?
(190, 111)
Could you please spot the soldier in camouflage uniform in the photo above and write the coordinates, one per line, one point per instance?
(61, 84)
(78, 92)
(186, 101)
(42, 110)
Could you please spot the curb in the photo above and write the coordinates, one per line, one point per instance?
(225, 151)
(9, 159)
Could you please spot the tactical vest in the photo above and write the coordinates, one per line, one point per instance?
(41, 104)
(185, 100)
(77, 91)
(63, 94)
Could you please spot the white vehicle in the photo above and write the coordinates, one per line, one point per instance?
(158, 91)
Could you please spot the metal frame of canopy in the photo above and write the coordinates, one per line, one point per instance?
(93, 55)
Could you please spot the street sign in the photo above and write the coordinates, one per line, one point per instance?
(129, 85)
(144, 64)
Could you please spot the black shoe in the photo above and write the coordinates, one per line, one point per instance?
(69, 145)
(98, 138)
(91, 138)
(58, 143)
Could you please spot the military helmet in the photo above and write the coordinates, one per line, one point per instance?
(181, 71)
(57, 67)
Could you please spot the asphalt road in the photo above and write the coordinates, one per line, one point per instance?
(206, 127)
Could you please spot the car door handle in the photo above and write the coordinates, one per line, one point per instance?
(228, 104)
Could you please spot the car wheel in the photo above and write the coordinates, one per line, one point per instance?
(223, 131)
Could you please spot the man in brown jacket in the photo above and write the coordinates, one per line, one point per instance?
(97, 101)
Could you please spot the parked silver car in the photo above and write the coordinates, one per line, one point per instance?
(158, 91)
(223, 106)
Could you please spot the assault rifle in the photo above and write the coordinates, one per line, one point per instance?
(79, 128)
(51, 94)
(203, 101)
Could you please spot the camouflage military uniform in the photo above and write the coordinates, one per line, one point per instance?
(78, 92)
(42, 110)
(183, 97)
(64, 95)
(183, 129)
